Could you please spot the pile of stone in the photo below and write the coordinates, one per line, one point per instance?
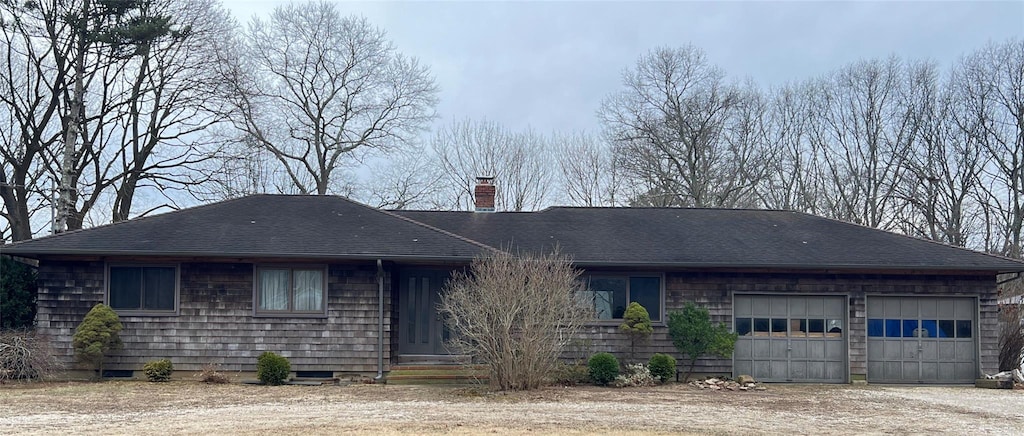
(742, 383)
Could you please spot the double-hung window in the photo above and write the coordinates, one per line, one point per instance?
(610, 294)
(142, 288)
(290, 290)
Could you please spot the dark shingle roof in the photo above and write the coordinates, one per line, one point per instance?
(709, 238)
(263, 226)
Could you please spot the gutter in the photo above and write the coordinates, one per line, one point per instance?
(380, 321)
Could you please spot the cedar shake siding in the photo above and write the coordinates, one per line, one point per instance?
(715, 290)
(215, 321)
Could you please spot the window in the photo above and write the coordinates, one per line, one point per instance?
(611, 294)
(290, 290)
(925, 328)
(142, 288)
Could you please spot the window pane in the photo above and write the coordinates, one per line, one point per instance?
(892, 328)
(647, 292)
(931, 328)
(743, 326)
(834, 328)
(798, 327)
(946, 328)
(309, 291)
(126, 288)
(963, 329)
(158, 288)
(761, 326)
(273, 293)
(876, 328)
(779, 325)
(816, 326)
(609, 297)
(910, 328)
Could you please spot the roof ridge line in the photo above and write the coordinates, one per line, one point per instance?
(915, 238)
(424, 225)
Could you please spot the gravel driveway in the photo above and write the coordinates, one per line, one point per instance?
(188, 407)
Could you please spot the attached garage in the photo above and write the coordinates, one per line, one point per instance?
(922, 339)
(786, 338)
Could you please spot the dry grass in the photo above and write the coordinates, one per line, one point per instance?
(192, 407)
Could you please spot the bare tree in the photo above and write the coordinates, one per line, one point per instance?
(684, 133)
(516, 314)
(518, 162)
(989, 83)
(314, 88)
(590, 172)
(404, 181)
(864, 133)
(794, 164)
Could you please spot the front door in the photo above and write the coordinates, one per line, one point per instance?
(421, 329)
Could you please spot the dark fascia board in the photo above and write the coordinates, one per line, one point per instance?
(793, 266)
(580, 263)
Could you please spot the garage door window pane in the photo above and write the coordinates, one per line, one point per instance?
(946, 328)
(963, 329)
(910, 328)
(796, 327)
(931, 327)
(834, 328)
(892, 328)
(743, 326)
(761, 326)
(779, 326)
(876, 328)
(816, 326)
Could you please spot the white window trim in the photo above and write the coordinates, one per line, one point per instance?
(143, 312)
(257, 313)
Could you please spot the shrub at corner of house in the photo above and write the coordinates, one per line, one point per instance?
(96, 336)
(604, 367)
(158, 370)
(272, 369)
(663, 367)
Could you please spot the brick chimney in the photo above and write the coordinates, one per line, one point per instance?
(483, 194)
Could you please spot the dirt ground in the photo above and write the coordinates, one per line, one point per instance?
(135, 407)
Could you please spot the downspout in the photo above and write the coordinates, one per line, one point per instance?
(380, 321)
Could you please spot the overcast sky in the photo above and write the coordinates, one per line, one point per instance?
(549, 65)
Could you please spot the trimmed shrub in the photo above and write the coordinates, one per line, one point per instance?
(158, 370)
(97, 335)
(272, 369)
(663, 367)
(636, 323)
(25, 355)
(637, 375)
(604, 367)
(211, 374)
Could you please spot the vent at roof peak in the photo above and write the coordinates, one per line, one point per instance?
(483, 194)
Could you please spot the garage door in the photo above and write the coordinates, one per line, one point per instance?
(921, 340)
(791, 338)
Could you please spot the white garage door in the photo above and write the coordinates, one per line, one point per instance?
(791, 338)
(922, 340)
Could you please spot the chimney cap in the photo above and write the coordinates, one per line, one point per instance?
(484, 180)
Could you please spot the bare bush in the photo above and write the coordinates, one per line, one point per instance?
(211, 374)
(516, 314)
(24, 355)
(1011, 337)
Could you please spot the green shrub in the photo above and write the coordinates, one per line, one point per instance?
(694, 335)
(96, 336)
(272, 369)
(604, 367)
(663, 367)
(158, 370)
(636, 323)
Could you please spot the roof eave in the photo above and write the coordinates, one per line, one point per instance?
(237, 255)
